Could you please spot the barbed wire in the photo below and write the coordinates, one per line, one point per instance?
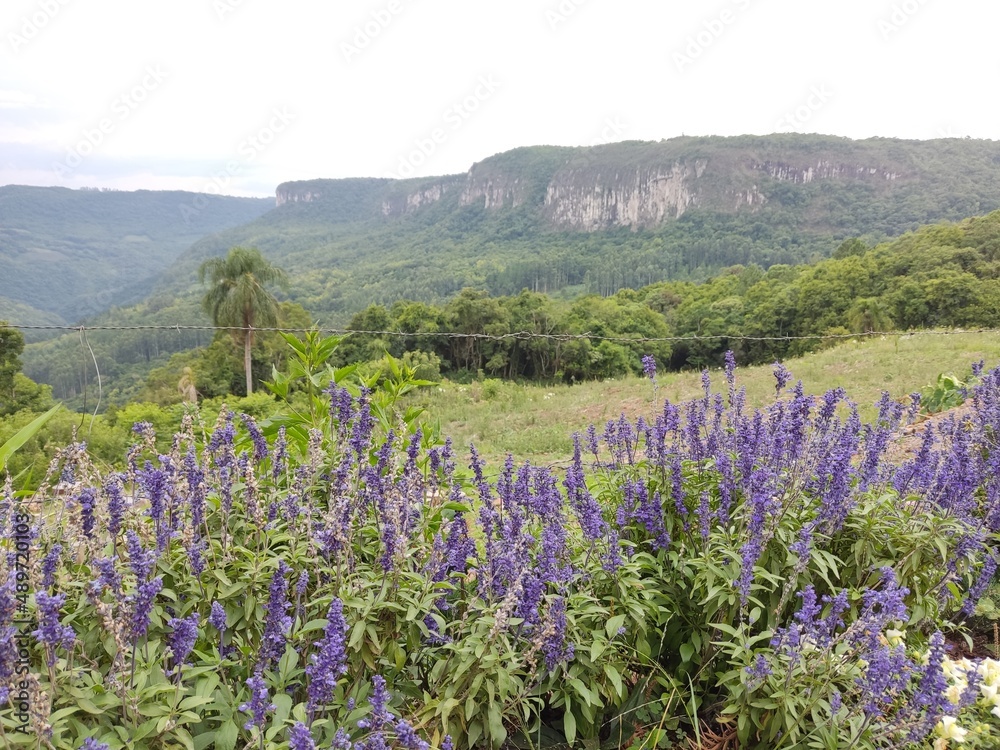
(520, 335)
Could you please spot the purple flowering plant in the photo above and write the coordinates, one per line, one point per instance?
(770, 566)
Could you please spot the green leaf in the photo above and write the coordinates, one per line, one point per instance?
(497, 731)
(687, 651)
(475, 732)
(225, 738)
(194, 701)
(612, 625)
(569, 725)
(615, 679)
(25, 434)
(88, 706)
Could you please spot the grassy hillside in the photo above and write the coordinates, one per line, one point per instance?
(535, 422)
(75, 253)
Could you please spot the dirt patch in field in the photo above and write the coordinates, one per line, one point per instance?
(908, 444)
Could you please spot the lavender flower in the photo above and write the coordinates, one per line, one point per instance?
(302, 583)
(259, 704)
(49, 564)
(88, 501)
(108, 577)
(341, 740)
(51, 631)
(986, 576)
(649, 366)
(140, 560)
(142, 606)
(116, 503)
(8, 644)
(408, 738)
(930, 694)
(256, 436)
(781, 378)
(378, 719)
(217, 618)
(329, 663)
(554, 645)
(364, 424)
(277, 623)
(757, 672)
(300, 738)
(181, 641)
(154, 483)
(280, 455)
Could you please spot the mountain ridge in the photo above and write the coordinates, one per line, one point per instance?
(75, 253)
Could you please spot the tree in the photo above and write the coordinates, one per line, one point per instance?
(868, 315)
(237, 296)
(11, 346)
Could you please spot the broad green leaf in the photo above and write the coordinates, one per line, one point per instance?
(225, 738)
(25, 434)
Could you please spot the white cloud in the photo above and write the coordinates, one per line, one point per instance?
(560, 81)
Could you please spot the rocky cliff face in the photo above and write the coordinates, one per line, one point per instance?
(640, 185)
(288, 193)
(634, 198)
(824, 170)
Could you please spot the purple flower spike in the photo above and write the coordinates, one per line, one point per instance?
(183, 638)
(256, 436)
(300, 738)
(50, 631)
(649, 366)
(781, 378)
(217, 619)
(330, 662)
(259, 704)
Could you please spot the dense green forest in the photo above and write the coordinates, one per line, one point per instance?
(68, 254)
(943, 275)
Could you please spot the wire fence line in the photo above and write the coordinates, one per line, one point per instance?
(521, 335)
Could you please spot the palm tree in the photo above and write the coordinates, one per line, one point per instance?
(869, 315)
(237, 297)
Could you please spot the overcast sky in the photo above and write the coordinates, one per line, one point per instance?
(237, 96)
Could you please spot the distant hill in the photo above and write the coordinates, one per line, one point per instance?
(558, 220)
(605, 217)
(69, 254)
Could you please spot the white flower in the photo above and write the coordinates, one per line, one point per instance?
(989, 692)
(989, 670)
(954, 692)
(949, 729)
(895, 637)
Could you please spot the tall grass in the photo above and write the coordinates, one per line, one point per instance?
(536, 422)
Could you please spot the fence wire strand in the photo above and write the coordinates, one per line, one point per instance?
(521, 335)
